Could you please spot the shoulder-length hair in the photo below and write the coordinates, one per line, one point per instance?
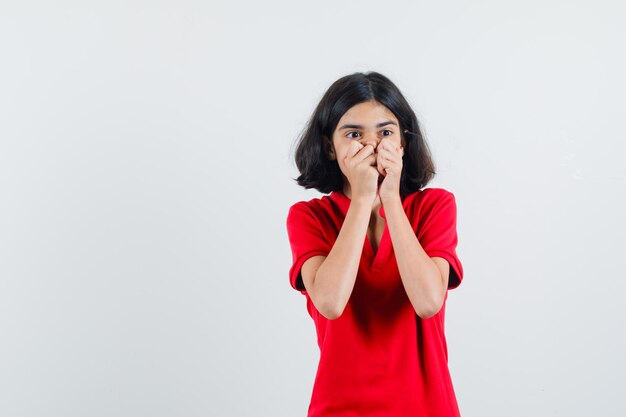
(318, 171)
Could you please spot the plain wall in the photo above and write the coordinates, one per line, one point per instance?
(146, 165)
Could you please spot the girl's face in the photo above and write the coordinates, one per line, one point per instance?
(368, 122)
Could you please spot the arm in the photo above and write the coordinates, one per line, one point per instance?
(425, 279)
(329, 280)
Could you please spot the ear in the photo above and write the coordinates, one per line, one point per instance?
(329, 148)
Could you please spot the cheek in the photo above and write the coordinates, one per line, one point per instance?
(341, 151)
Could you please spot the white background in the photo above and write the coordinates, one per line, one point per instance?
(146, 165)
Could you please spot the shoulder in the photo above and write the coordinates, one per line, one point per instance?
(314, 204)
(430, 197)
(314, 207)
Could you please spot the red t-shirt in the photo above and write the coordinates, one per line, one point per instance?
(379, 358)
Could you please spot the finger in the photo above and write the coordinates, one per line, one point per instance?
(396, 154)
(370, 159)
(364, 153)
(388, 144)
(387, 162)
(379, 161)
(353, 149)
(391, 147)
(388, 155)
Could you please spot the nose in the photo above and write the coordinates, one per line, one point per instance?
(370, 139)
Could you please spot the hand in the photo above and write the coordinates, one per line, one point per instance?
(361, 172)
(389, 164)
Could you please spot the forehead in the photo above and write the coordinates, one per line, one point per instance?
(368, 111)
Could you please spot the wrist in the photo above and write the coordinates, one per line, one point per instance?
(364, 203)
(391, 200)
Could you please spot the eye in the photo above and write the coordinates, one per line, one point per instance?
(349, 133)
(387, 130)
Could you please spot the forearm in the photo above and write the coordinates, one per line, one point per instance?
(335, 278)
(420, 275)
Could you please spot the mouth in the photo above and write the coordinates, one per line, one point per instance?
(380, 178)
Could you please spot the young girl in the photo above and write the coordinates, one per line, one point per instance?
(375, 258)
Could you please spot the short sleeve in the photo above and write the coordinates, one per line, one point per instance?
(438, 236)
(306, 238)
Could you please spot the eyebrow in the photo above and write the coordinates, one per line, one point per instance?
(385, 123)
